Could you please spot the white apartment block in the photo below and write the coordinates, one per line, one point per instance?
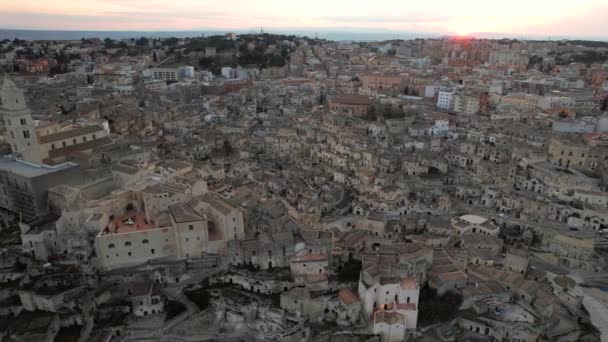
(165, 74)
(465, 104)
(445, 100)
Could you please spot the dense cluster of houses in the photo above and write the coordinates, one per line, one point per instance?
(331, 198)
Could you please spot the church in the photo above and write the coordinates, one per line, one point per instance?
(44, 142)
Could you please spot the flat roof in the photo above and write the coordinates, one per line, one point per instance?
(474, 219)
(128, 223)
(353, 99)
(31, 170)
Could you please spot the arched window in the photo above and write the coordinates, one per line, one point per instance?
(145, 241)
(111, 245)
(128, 243)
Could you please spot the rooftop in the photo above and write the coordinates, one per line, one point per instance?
(184, 213)
(31, 170)
(128, 223)
(347, 296)
(74, 132)
(352, 100)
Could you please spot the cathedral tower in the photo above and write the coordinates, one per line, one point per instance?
(20, 127)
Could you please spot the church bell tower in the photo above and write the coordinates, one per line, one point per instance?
(20, 127)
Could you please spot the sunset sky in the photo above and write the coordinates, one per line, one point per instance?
(519, 17)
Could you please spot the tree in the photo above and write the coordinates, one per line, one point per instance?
(276, 61)
(227, 148)
(143, 41)
(371, 111)
(435, 308)
(604, 104)
(108, 43)
(243, 48)
(205, 62)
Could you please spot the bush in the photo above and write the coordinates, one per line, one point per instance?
(350, 271)
(199, 297)
(433, 308)
(173, 309)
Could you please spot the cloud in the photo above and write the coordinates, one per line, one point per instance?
(411, 18)
(550, 17)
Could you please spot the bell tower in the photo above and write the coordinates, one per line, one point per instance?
(20, 127)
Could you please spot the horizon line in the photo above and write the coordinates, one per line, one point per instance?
(325, 30)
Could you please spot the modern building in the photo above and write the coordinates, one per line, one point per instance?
(24, 185)
(466, 104)
(445, 100)
(164, 74)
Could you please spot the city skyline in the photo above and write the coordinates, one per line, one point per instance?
(515, 18)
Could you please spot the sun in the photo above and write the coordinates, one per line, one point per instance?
(462, 35)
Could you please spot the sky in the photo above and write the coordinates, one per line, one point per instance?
(571, 18)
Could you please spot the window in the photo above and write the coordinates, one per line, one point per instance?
(74, 141)
(52, 146)
(152, 251)
(129, 253)
(23, 121)
(94, 136)
(145, 241)
(63, 143)
(84, 139)
(128, 243)
(12, 135)
(191, 227)
(111, 245)
(26, 134)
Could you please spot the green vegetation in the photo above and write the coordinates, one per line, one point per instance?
(173, 309)
(200, 297)
(387, 111)
(68, 334)
(586, 57)
(433, 308)
(10, 236)
(589, 43)
(227, 147)
(604, 105)
(350, 271)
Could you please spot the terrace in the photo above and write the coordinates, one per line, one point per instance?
(128, 223)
